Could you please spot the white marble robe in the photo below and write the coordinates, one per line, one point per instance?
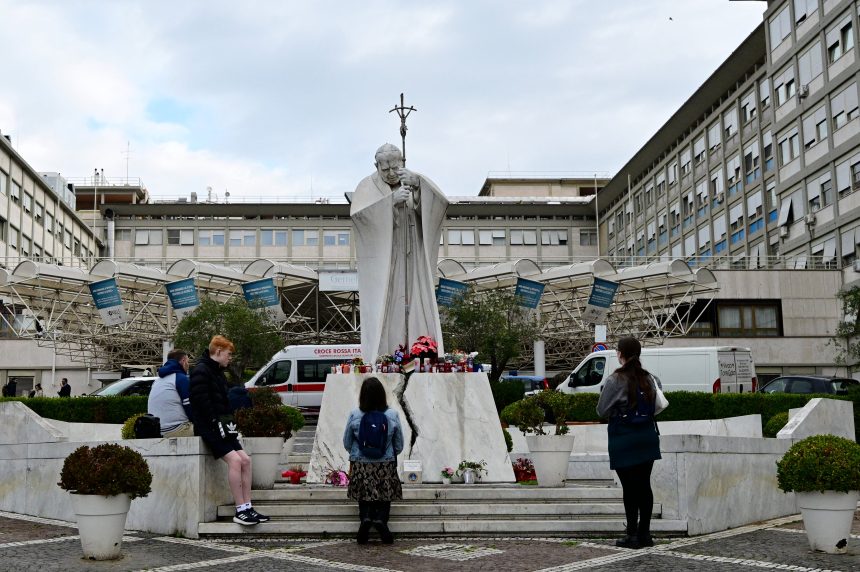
(385, 270)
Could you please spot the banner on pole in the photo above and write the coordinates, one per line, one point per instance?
(183, 296)
(105, 294)
(449, 291)
(263, 295)
(602, 294)
(528, 293)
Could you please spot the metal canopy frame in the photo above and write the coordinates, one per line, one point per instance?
(55, 308)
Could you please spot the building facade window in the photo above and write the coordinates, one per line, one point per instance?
(306, 237)
(497, 237)
(243, 237)
(587, 238)
(815, 127)
(789, 146)
(554, 237)
(273, 237)
(210, 238)
(780, 27)
(839, 38)
(341, 237)
(15, 195)
(142, 237)
(843, 106)
(803, 9)
(809, 64)
(819, 191)
(748, 320)
(767, 145)
(784, 86)
(180, 237)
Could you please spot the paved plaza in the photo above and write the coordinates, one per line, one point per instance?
(29, 543)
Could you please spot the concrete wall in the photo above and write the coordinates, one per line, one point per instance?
(187, 485)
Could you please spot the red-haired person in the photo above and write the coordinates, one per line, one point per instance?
(211, 412)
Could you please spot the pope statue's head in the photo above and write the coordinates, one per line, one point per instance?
(388, 161)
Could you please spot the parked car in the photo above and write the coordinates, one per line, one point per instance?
(531, 383)
(127, 386)
(809, 384)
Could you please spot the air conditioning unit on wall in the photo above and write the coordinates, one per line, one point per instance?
(783, 232)
(803, 91)
(857, 265)
(809, 219)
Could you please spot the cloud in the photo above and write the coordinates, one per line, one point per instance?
(288, 98)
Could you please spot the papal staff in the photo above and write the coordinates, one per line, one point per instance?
(403, 112)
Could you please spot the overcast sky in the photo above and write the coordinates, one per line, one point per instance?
(279, 98)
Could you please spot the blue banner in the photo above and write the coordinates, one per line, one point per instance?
(602, 294)
(261, 293)
(106, 296)
(449, 291)
(528, 292)
(183, 295)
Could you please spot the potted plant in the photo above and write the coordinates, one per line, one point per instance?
(337, 478)
(447, 474)
(524, 470)
(470, 471)
(103, 480)
(264, 427)
(824, 473)
(550, 452)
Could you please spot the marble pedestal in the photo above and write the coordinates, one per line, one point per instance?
(453, 416)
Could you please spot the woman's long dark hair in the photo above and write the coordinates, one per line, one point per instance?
(637, 378)
(372, 396)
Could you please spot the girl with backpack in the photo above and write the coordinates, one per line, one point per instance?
(373, 437)
(628, 402)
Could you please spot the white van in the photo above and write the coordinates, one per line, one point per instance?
(717, 369)
(298, 373)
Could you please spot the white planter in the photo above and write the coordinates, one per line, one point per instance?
(265, 455)
(550, 455)
(101, 523)
(469, 477)
(827, 519)
(446, 481)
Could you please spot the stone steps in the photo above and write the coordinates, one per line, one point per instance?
(596, 526)
(497, 509)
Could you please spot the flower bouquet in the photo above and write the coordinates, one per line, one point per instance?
(447, 474)
(524, 470)
(425, 347)
(295, 474)
(403, 360)
(337, 478)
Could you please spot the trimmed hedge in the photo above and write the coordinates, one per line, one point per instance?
(85, 409)
(689, 405)
(506, 392)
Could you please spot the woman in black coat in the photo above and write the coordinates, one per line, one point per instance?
(213, 423)
(628, 402)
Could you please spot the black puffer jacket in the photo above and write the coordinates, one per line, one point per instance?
(208, 394)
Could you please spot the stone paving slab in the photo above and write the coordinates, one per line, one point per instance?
(33, 544)
(778, 546)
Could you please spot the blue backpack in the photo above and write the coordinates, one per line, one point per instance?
(373, 434)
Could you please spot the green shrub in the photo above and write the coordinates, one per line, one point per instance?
(526, 415)
(297, 420)
(509, 441)
(264, 397)
(107, 470)
(773, 426)
(820, 463)
(86, 409)
(128, 426)
(506, 392)
(582, 406)
(264, 422)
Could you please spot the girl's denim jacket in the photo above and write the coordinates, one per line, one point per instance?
(394, 443)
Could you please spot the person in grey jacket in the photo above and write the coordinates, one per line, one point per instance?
(373, 482)
(628, 402)
(169, 398)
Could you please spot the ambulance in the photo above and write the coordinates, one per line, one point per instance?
(297, 373)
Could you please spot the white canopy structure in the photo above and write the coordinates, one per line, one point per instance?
(52, 304)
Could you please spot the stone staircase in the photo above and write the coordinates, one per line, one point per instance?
(582, 508)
